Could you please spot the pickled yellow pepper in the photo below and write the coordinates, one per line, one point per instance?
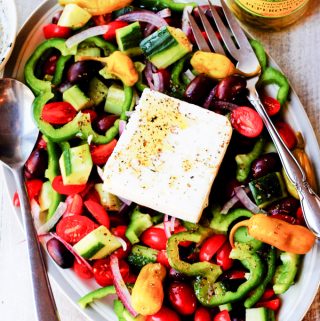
(284, 236)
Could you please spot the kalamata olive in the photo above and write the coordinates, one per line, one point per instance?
(198, 89)
(230, 87)
(56, 17)
(104, 122)
(60, 254)
(287, 206)
(36, 164)
(81, 71)
(210, 99)
(49, 66)
(265, 164)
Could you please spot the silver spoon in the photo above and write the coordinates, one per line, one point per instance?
(18, 135)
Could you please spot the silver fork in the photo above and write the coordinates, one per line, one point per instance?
(248, 64)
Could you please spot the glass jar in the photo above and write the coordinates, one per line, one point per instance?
(269, 14)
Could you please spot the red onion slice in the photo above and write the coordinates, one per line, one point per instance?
(164, 13)
(85, 34)
(122, 126)
(148, 74)
(144, 16)
(173, 223)
(158, 81)
(122, 242)
(78, 257)
(246, 201)
(125, 201)
(121, 288)
(167, 226)
(229, 204)
(189, 75)
(46, 227)
(185, 26)
(35, 212)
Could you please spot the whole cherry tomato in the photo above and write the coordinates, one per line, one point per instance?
(155, 238)
(210, 246)
(182, 298)
(287, 134)
(52, 30)
(164, 314)
(223, 257)
(222, 316)
(202, 314)
(81, 270)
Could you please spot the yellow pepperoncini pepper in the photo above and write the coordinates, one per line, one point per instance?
(98, 7)
(147, 293)
(284, 236)
(120, 65)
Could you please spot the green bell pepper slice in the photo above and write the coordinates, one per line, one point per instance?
(51, 172)
(220, 223)
(156, 5)
(206, 270)
(286, 272)
(258, 291)
(244, 161)
(260, 53)
(80, 126)
(96, 295)
(249, 260)
(178, 87)
(37, 85)
(274, 76)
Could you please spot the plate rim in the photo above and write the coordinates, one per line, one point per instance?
(9, 49)
(54, 271)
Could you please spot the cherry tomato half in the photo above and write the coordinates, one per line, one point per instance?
(210, 246)
(52, 30)
(113, 26)
(272, 304)
(93, 115)
(33, 188)
(98, 212)
(102, 271)
(287, 134)
(247, 122)
(81, 270)
(202, 314)
(222, 316)
(271, 105)
(162, 258)
(223, 258)
(58, 113)
(101, 153)
(59, 187)
(73, 228)
(164, 314)
(155, 238)
(268, 294)
(102, 19)
(235, 275)
(74, 205)
(182, 298)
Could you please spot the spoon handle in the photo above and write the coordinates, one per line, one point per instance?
(45, 305)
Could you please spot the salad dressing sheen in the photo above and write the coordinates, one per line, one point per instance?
(269, 14)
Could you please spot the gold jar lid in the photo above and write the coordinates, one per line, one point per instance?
(269, 14)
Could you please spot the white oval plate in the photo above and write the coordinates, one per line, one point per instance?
(8, 29)
(296, 301)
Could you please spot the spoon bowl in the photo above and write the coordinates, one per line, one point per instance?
(18, 135)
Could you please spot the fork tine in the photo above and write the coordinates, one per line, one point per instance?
(201, 42)
(215, 43)
(224, 32)
(238, 33)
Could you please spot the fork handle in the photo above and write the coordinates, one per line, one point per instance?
(310, 201)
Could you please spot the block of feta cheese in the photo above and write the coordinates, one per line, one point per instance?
(168, 156)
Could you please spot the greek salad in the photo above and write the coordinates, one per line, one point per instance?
(153, 175)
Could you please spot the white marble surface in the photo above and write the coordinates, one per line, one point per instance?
(296, 49)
